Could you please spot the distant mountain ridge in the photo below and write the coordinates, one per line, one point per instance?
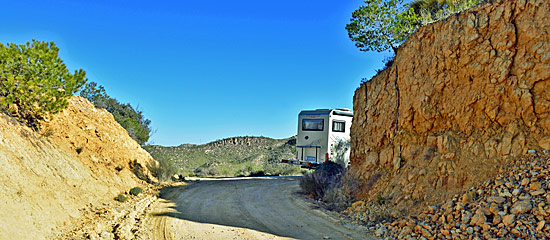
(234, 156)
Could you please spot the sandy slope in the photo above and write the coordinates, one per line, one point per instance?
(243, 208)
(80, 160)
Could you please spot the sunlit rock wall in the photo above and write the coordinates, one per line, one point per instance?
(474, 92)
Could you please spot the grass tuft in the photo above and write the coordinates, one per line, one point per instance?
(121, 198)
(135, 191)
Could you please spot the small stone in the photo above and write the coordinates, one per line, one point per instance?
(406, 230)
(521, 207)
(470, 230)
(497, 199)
(516, 192)
(497, 219)
(466, 216)
(445, 232)
(537, 192)
(426, 233)
(509, 185)
(540, 225)
(430, 209)
(535, 186)
(502, 232)
(509, 220)
(478, 219)
(516, 232)
(466, 198)
(106, 235)
(524, 197)
(525, 181)
(494, 209)
(381, 231)
(485, 227)
(505, 193)
(357, 204)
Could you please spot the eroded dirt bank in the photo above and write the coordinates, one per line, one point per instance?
(473, 94)
(80, 160)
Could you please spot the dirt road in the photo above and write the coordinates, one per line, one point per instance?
(247, 208)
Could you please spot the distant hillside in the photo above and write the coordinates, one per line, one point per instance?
(236, 156)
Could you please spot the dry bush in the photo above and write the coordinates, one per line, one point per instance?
(324, 177)
(341, 194)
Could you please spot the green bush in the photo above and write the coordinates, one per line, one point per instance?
(135, 191)
(34, 81)
(435, 10)
(121, 198)
(137, 126)
(165, 168)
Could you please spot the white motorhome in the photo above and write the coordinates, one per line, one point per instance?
(318, 132)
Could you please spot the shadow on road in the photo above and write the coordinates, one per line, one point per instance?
(263, 204)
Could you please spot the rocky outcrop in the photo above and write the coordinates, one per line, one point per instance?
(241, 141)
(474, 93)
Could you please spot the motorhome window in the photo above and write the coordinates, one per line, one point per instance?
(338, 126)
(313, 124)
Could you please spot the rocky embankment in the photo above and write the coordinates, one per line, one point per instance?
(468, 94)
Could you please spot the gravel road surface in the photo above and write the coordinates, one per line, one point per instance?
(244, 208)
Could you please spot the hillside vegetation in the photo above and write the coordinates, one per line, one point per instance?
(130, 118)
(34, 81)
(237, 156)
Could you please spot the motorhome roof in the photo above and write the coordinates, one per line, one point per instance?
(342, 112)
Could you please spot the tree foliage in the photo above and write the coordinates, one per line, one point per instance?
(434, 10)
(381, 24)
(34, 81)
(137, 126)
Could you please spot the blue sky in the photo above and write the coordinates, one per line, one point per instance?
(205, 70)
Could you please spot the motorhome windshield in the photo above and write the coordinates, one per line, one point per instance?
(313, 124)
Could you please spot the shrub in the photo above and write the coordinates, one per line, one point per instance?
(137, 126)
(165, 168)
(431, 11)
(135, 191)
(257, 174)
(121, 198)
(330, 183)
(325, 176)
(206, 172)
(342, 194)
(34, 81)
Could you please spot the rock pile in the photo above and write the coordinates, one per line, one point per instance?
(514, 204)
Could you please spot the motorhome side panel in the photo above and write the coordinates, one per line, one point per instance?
(340, 127)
